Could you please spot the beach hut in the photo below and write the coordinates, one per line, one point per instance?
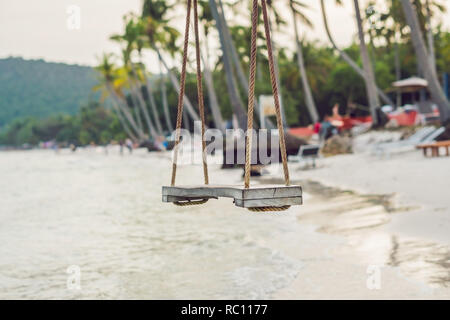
(414, 91)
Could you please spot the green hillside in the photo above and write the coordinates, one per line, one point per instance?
(38, 88)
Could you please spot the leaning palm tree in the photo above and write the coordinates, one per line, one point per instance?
(424, 62)
(128, 40)
(369, 79)
(162, 79)
(235, 99)
(232, 51)
(161, 35)
(242, 77)
(138, 28)
(309, 100)
(278, 22)
(345, 56)
(207, 22)
(110, 78)
(105, 69)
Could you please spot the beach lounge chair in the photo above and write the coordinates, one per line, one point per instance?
(305, 153)
(424, 135)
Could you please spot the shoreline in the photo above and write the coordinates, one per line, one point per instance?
(411, 181)
(382, 222)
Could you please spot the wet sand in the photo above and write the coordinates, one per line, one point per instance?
(393, 213)
(104, 213)
(410, 267)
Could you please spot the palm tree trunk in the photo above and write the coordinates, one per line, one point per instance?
(371, 87)
(430, 37)
(143, 107)
(232, 49)
(236, 61)
(309, 100)
(213, 102)
(164, 98)
(122, 121)
(124, 108)
(346, 57)
(137, 112)
(187, 103)
(141, 102)
(398, 72)
(437, 94)
(151, 99)
(277, 74)
(135, 108)
(236, 102)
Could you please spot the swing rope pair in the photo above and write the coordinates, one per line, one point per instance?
(251, 101)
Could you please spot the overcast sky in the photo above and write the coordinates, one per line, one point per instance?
(39, 29)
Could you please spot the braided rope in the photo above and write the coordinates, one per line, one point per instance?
(251, 95)
(267, 209)
(275, 94)
(201, 105)
(181, 94)
(182, 90)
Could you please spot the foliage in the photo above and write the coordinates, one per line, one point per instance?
(39, 89)
(92, 124)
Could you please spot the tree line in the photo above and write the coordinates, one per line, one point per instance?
(402, 39)
(92, 124)
(406, 31)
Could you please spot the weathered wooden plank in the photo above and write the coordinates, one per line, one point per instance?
(256, 196)
(274, 202)
(174, 198)
(236, 192)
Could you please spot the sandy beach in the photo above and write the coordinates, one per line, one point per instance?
(392, 212)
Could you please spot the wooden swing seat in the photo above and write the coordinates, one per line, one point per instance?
(255, 197)
(259, 198)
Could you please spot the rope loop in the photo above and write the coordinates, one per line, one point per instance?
(190, 202)
(268, 209)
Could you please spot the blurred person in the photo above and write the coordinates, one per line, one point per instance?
(121, 143)
(129, 145)
(327, 130)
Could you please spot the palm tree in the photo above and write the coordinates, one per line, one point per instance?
(162, 78)
(430, 38)
(122, 121)
(309, 100)
(207, 21)
(137, 28)
(231, 46)
(345, 56)
(424, 62)
(109, 83)
(235, 100)
(278, 21)
(159, 33)
(105, 68)
(243, 79)
(129, 40)
(369, 78)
